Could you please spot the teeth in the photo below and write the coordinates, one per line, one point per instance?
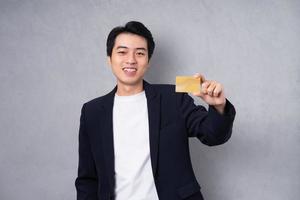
(130, 69)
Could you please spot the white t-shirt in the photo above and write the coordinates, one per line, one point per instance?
(134, 177)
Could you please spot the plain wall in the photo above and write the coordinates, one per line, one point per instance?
(53, 59)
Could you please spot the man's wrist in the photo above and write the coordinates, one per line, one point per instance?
(220, 108)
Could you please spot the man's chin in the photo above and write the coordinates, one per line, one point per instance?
(131, 82)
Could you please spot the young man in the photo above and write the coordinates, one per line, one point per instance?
(133, 142)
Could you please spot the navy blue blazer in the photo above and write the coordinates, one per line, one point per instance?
(173, 118)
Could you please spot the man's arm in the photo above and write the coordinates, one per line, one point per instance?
(86, 183)
(212, 127)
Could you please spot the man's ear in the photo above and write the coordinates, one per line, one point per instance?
(108, 60)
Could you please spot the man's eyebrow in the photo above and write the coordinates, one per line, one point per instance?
(141, 48)
(121, 47)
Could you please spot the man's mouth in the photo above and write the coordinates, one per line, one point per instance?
(129, 69)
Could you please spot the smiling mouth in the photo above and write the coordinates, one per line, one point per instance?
(129, 69)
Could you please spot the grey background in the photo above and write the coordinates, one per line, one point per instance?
(52, 56)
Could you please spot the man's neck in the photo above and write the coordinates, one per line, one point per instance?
(127, 90)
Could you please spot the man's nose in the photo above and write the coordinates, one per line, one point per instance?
(131, 58)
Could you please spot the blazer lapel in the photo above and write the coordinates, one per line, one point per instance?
(107, 135)
(153, 102)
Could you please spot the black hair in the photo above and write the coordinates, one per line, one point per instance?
(133, 27)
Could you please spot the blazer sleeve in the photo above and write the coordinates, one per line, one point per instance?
(86, 182)
(210, 127)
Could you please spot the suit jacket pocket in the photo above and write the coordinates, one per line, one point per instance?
(188, 190)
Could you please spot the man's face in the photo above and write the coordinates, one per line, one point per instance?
(129, 59)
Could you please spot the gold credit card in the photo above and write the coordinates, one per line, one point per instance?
(188, 84)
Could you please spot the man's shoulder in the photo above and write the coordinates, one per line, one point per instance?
(164, 88)
(101, 100)
(95, 100)
(167, 91)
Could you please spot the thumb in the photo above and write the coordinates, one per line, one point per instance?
(198, 94)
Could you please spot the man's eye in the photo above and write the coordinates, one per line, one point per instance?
(140, 53)
(121, 52)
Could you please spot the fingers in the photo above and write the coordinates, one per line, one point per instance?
(212, 88)
(201, 77)
(218, 89)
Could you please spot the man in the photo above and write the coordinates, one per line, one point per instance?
(133, 142)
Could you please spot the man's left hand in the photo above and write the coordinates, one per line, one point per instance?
(212, 93)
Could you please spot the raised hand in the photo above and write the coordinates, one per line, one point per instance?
(212, 92)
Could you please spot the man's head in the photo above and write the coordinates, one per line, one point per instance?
(129, 49)
(132, 27)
